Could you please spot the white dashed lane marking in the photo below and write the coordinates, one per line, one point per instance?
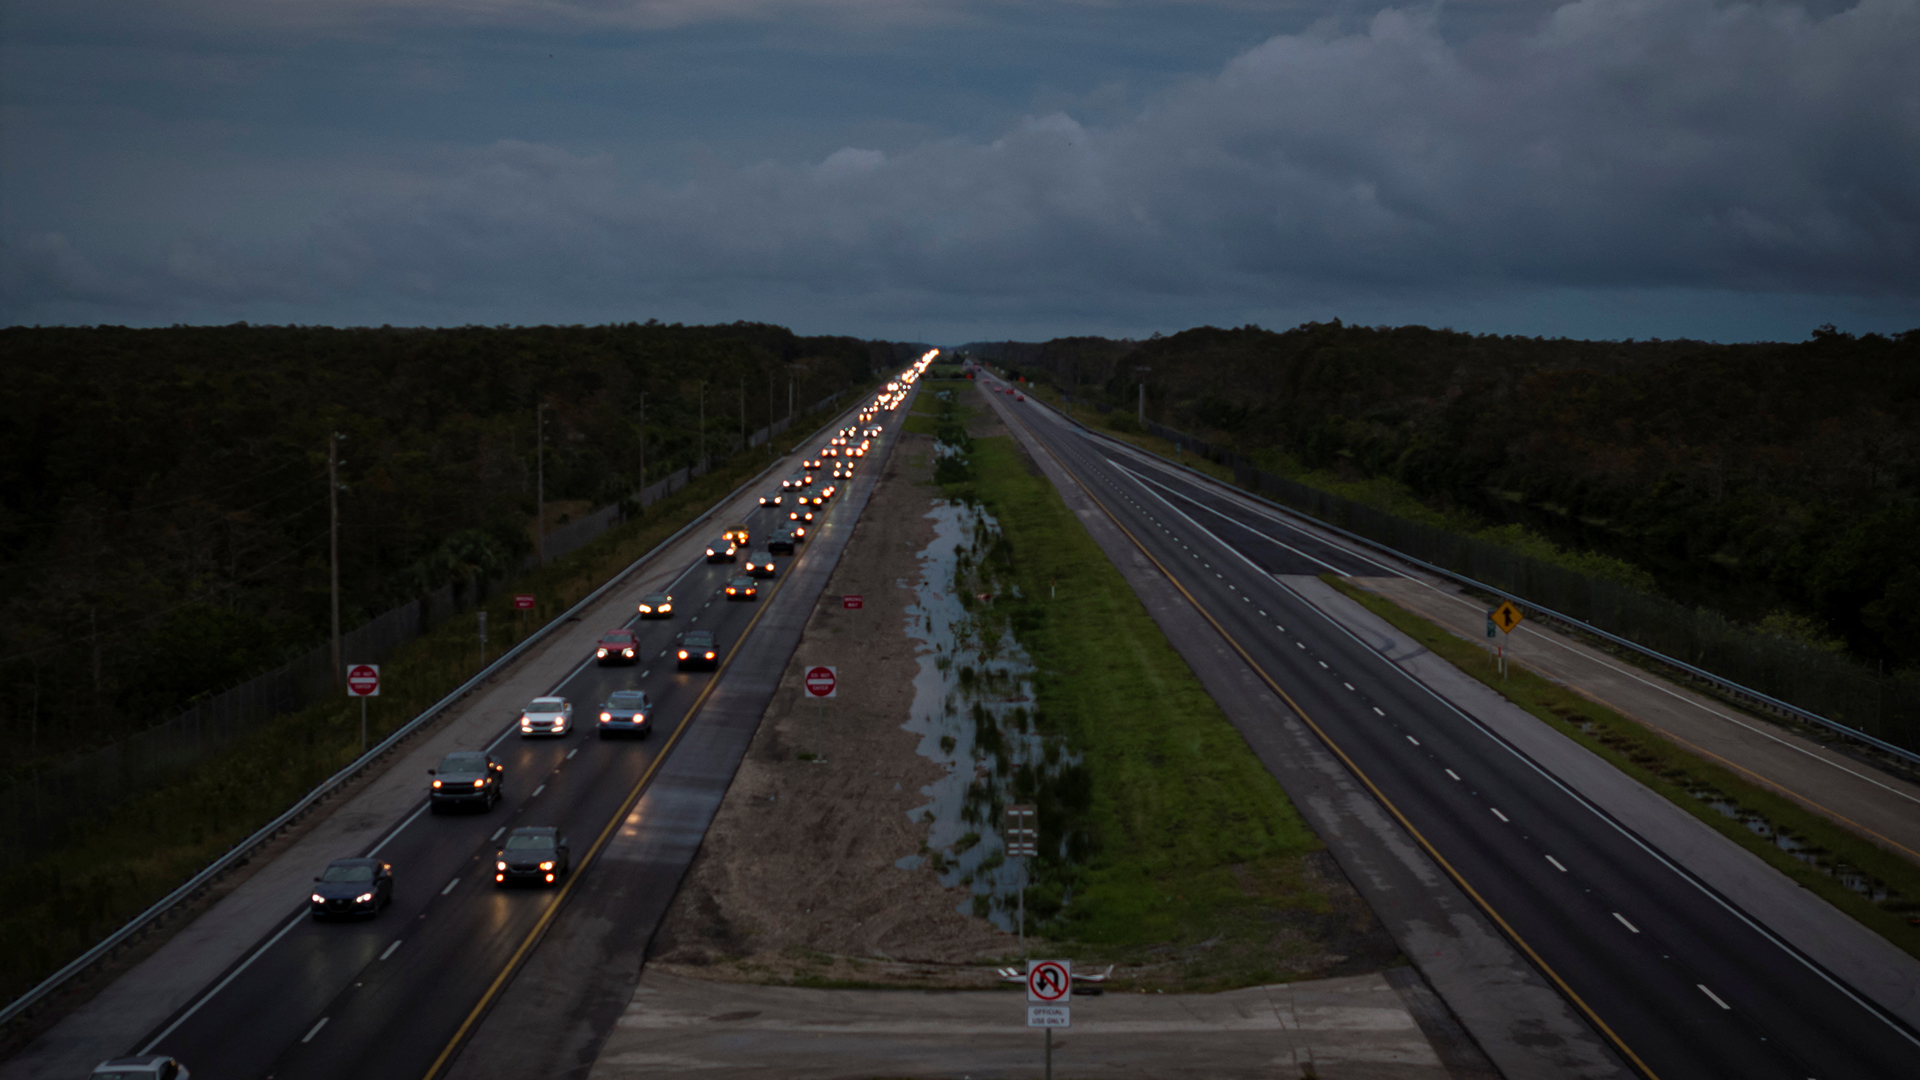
(1703, 989)
(390, 949)
(1556, 864)
(1498, 814)
(315, 1029)
(1625, 923)
(450, 886)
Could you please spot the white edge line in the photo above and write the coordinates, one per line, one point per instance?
(315, 1030)
(390, 948)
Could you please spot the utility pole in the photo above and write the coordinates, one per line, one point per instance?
(1143, 394)
(769, 412)
(743, 412)
(643, 441)
(703, 425)
(540, 484)
(789, 397)
(333, 543)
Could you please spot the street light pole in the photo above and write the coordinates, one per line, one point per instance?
(540, 484)
(333, 542)
(643, 441)
(1143, 394)
(703, 426)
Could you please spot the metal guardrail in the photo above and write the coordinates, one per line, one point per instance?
(250, 844)
(1727, 685)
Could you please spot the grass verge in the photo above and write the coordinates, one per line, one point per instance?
(55, 907)
(1690, 782)
(1197, 863)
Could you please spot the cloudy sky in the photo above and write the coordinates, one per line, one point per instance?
(948, 170)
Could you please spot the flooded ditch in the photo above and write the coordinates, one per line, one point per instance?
(1800, 847)
(974, 710)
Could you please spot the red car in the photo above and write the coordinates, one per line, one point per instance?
(618, 647)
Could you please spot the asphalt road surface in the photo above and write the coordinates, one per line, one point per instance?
(1678, 978)
(382, 998)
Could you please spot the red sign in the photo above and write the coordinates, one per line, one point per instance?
(523, 601)
(852, 602)
(821, 682)
(363, 680)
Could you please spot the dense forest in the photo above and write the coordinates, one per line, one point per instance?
(163, 493)
(1775, 482)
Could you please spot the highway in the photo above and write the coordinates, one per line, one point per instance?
(1678, 979)
(389, 997)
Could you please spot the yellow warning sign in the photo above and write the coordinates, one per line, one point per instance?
(1506, 616)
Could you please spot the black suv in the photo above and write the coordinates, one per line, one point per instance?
(698, 650)
(466, 778)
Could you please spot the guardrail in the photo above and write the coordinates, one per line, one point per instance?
(1727, 685)
(267, 832)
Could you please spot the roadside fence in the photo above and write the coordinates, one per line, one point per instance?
(1770, 672)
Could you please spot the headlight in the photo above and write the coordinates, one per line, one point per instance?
(605, 716)
(318, 899)
(709, 656)
(628, 653)
(602, 654)
(436, 783)
(548, 865)
(500, 866)
(644, 609)
(683, 654)
(364, 898)
(666, 608)
(480, 783)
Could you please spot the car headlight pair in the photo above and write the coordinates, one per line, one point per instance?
(364, 898)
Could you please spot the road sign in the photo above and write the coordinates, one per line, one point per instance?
(853, 602)
(363, 680)
(1049, 1016)
(821, 682)
(1506, 616)
(523, 601)
(1021, 831)
(1049, 982)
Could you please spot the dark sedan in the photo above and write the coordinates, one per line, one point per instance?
(626, 712)
(782, 542)
(720, 549)
(760, 563)
(656, 605)
(771, 498)
(536, 853)
(466, 778)
(742, 588)
(351, 887)
(618, 647)
(698, 650)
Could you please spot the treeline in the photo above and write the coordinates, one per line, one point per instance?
(163, 493)
(1777, 482)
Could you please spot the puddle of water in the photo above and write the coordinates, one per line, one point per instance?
(972, 708)
(1852, 877)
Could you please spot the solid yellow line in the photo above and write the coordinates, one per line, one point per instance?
(1457, 877)
(626, 807)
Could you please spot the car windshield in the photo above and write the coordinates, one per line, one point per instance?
(617, 637)
(545, 704)
(657, 597)
(348, 873)
(699, 639)
(528, 843)
(625, 700)
(459, 763)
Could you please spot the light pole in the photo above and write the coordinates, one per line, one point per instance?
(333, 541)
(1143, 394)
(643, 442)
(743, 413)
(703, 426)
(540, 484)
(769, 412)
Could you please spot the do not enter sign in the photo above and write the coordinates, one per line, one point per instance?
(821, 682)
(363, 680)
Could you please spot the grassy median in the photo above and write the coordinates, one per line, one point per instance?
(1197, 859)
(57, 906)
(1678, 775)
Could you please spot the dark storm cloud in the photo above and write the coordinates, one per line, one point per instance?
(1613, 144)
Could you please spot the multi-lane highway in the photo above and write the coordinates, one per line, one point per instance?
(1679, 979)
(390, 996)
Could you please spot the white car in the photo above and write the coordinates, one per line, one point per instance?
(141, 1067)
(547, 716)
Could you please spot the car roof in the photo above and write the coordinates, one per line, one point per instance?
(704, 635)
(553, 701)
(627, 694)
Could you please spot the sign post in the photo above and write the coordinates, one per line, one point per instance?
(1049, 989)
(1021, 832)
(363, 682)
(821, 683)
(1506, 617)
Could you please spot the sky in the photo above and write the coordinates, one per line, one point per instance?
(955, 170)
